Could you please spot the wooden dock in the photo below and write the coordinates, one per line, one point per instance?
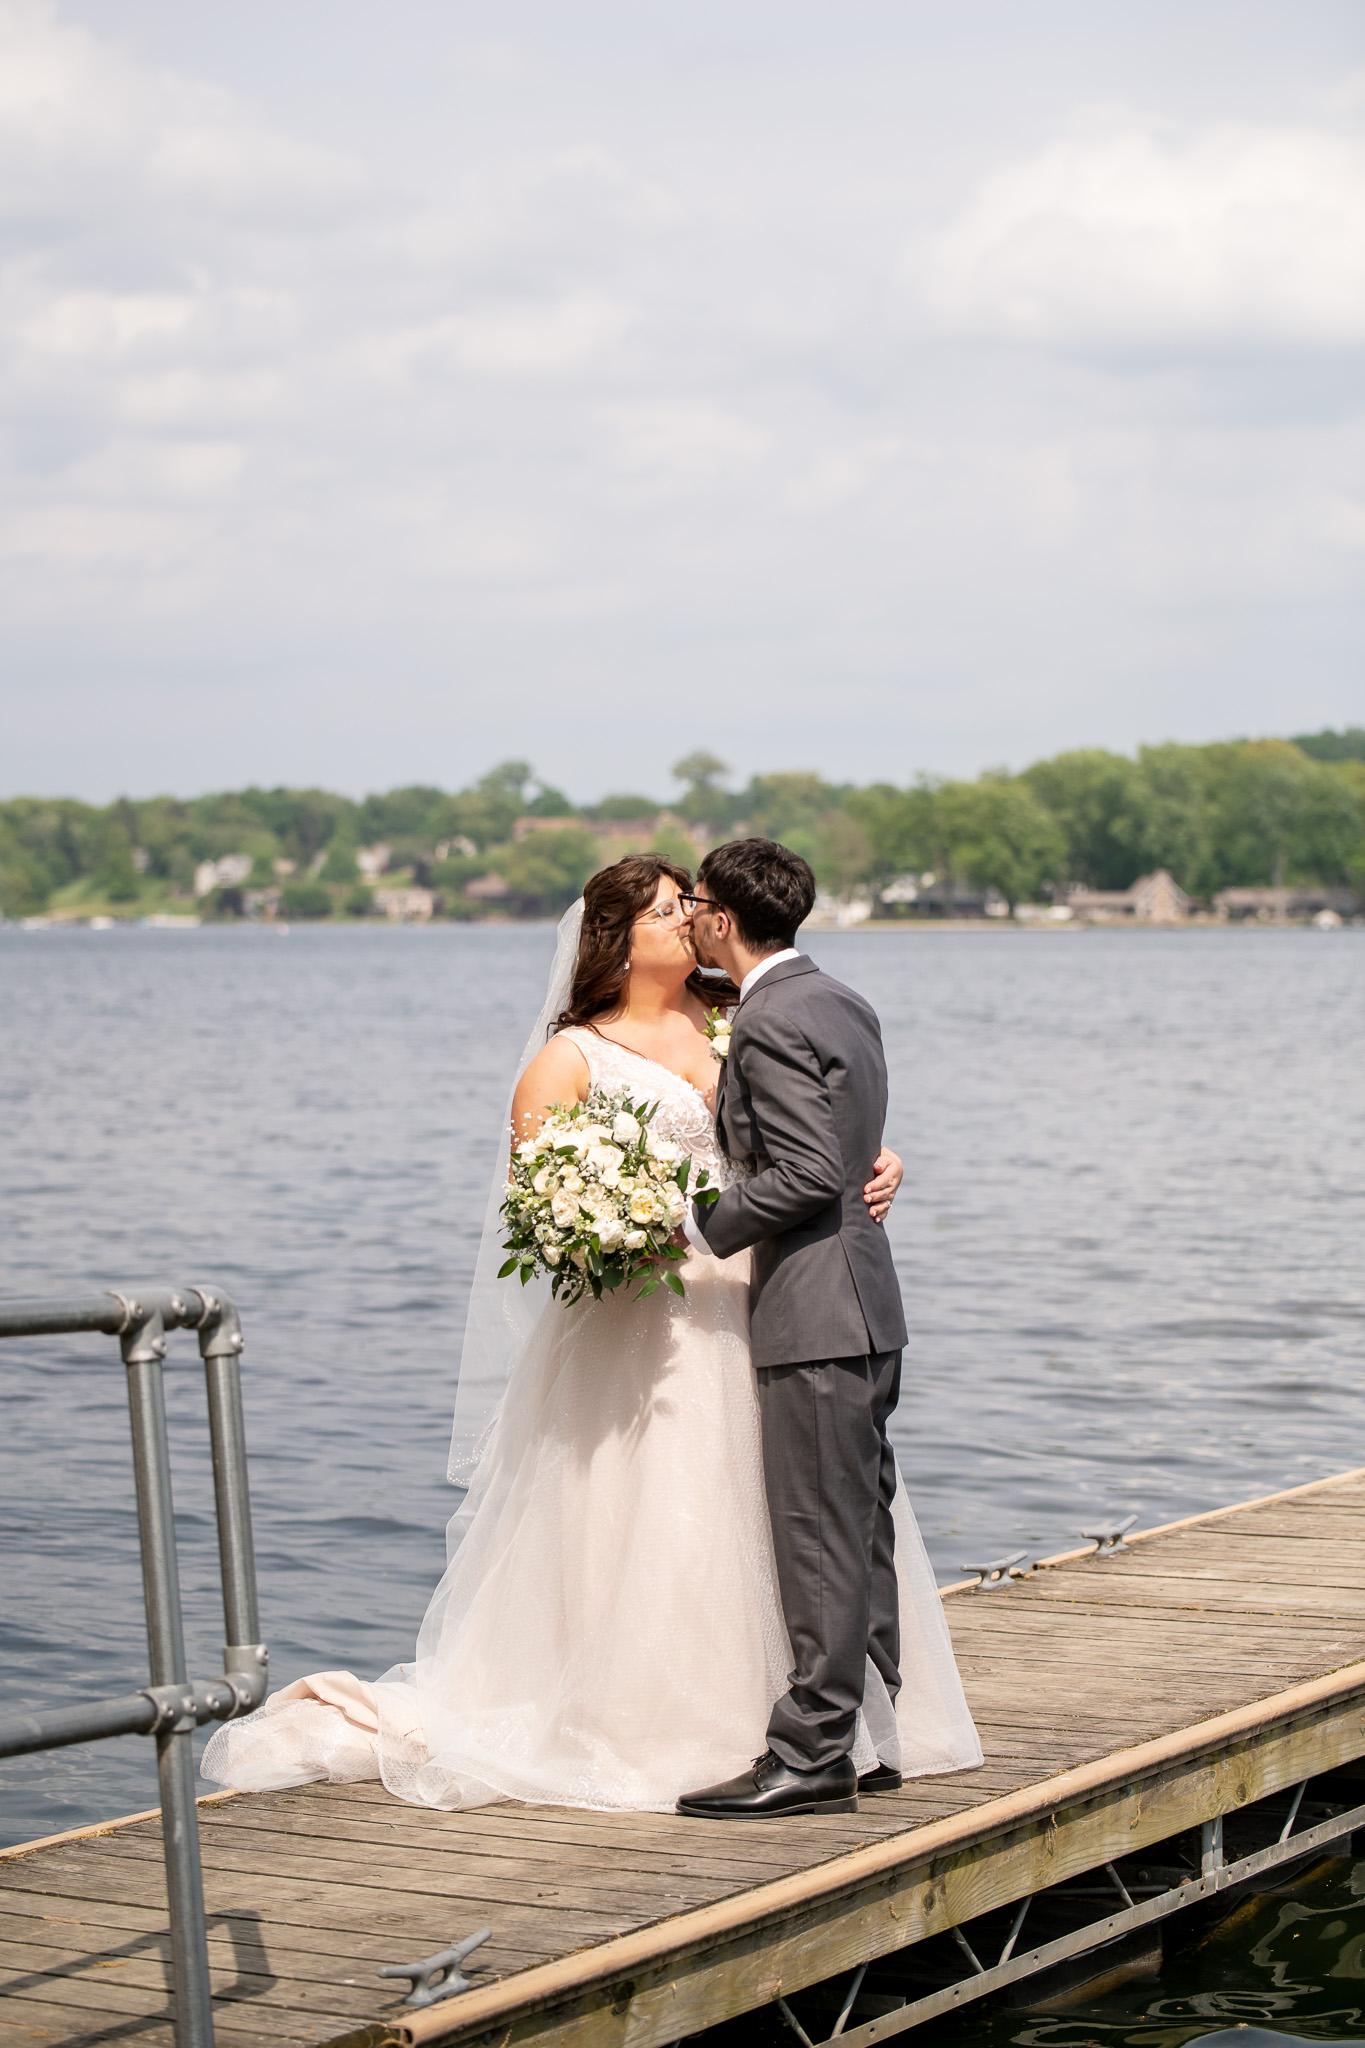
(1120, 1700)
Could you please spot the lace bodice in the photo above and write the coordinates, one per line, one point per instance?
(682, 1115)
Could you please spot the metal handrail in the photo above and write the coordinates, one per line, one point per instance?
(173, 1705)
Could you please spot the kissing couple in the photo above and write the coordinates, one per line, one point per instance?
(684, 1537)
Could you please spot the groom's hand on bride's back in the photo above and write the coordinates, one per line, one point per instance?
(888, 1170)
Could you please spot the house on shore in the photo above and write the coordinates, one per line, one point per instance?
(930, 896)
(1283, 906)
(1151, 899)
(412, 906)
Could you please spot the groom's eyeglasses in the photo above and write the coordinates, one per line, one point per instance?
(710, 901)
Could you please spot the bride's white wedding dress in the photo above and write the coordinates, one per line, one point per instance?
(608, 1631)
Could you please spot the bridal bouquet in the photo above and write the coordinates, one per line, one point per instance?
(594, 1197)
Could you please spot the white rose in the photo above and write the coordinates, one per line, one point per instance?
(564, 1208)
(645, 1207)
(611, 1234)
(633, 1240)
(720, 1040)
(604, 1159)
(546, 1181)
(675, 1204)
(663, 1150)
(571, 1182)
(626, 1128)
(552, 1254)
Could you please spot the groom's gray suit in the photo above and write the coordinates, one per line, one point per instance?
(803, 1097)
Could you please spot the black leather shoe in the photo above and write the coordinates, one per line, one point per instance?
(883, 1779)
(773, 1789)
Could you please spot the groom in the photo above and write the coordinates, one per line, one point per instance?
(802, 1096)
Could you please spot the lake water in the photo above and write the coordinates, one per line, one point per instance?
(1129, 1244)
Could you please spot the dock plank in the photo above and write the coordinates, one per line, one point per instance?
(1254, 1614)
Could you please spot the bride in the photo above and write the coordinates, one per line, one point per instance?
(608, 1630)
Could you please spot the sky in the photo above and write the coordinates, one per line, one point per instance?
(881, 389)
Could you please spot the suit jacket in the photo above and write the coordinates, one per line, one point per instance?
(803, 1096)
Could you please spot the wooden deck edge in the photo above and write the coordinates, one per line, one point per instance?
(105, 1827)
(1240, 1507)
(748, 1911)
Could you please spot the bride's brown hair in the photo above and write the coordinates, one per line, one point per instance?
(613, 899)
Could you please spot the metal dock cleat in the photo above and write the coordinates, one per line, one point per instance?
(445, 1966)
(1000, 1572)
(1110, 1537)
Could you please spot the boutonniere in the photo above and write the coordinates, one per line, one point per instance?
(718, 1031)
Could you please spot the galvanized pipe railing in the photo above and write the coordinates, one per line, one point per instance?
(173, 1705)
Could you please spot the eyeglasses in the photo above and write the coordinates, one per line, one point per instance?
(664, 913)
(695, 901)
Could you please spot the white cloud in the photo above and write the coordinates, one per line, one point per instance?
(241, 167)
(685, 439)
(1345, 523)
(105, 323)
(501, 394)
(1119, 234)
(513, 341)
(846, 475)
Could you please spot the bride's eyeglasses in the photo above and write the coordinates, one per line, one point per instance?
(666, 914)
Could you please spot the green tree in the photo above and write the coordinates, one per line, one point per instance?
(705, 802)
(789, 808)
(305, 900)
(1348, 745)
(414, 812)
(1259, 801)
(546, 870)
(997, 834)
(843, 851)
(25, 883)
(487, 812)
(902, 825)
(1099, 800)
(624, 809)
(550, 803)
(116, 878)
(1177, 822)
(670, 842)
(339, 865)
(302, 821)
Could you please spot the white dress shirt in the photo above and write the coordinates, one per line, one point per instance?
(691, 1229)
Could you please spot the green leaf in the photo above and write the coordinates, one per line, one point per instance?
(612, 1276)
(510, 1267)
(681, 1175)
(706, 1197)
(525, 1274)
(672, 1280)
(651, 1286)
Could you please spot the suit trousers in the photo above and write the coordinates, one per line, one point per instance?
(830, 1476)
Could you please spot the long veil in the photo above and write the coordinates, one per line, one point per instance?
(503, 1312)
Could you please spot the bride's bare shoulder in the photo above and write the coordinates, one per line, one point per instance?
(560, 1064)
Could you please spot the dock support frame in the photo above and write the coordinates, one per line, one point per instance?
(173, 1705)
(1216, 1875)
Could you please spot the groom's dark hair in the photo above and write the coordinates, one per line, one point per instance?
(767, 889)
